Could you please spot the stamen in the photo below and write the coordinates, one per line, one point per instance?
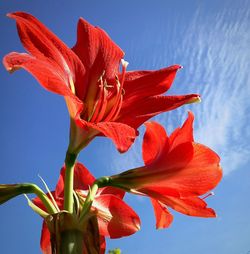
(100, 105)
(120, 92)
(102, 75)
(124, 67)
(93, 95)
(208, 195)
(71, 84)
(124, 63)
(103, 105)
(116, 100)
(106, 84)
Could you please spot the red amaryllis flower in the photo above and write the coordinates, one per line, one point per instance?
(177, 171)
(115, 218)
(101, 100)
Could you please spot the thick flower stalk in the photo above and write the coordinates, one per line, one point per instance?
(114, 217)
(101, 99)
(177, 173)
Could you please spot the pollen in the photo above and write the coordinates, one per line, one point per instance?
(124, 63)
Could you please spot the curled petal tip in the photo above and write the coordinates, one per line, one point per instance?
(9, 69)
(9, 66)
(137, 223)
(9, 15)
(176, 67)
(196, 99)
(12, 69)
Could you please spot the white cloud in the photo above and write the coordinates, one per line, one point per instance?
(130, 159)
(220, 45)
(215, 53)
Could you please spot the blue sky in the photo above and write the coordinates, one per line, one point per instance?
(211, 40)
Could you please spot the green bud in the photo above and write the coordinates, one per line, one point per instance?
(9, 191)
(115, 251)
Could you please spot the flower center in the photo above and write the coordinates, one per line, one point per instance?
(108, 99)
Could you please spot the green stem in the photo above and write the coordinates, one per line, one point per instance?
(69, 182)
(45, 200)
(99, 183)
(89, 200)
(71, 242)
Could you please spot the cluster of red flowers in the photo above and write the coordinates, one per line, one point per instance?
(106, 100)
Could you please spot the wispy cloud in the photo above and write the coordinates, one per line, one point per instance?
(128, 160)
(215, 53)
(219, 58)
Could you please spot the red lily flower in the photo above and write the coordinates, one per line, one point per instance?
(100, 99)
(177, 171)
(115, 218)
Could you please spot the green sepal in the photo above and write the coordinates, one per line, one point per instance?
(35, 208)
(71, 236)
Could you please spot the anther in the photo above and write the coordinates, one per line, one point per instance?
(208, 195)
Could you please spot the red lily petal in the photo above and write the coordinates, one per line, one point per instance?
(115, 218)
(175, 160)
(151, 106)
(94, 44)
(154, 141)
(43, 71)
(46, 46)
(163, 217)
(192, 206)
(183, 134)
(112, 190)
(188, 170)
(82, 179)
(45, 240)
(102, 244)
(141, 84)
(97, 52)
(121, 134)
(74, 105)
(45, 74)
(183, 167)
(202, 174)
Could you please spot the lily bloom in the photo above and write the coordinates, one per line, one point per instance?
(101, 99)
(177, 172)
(115, 218)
